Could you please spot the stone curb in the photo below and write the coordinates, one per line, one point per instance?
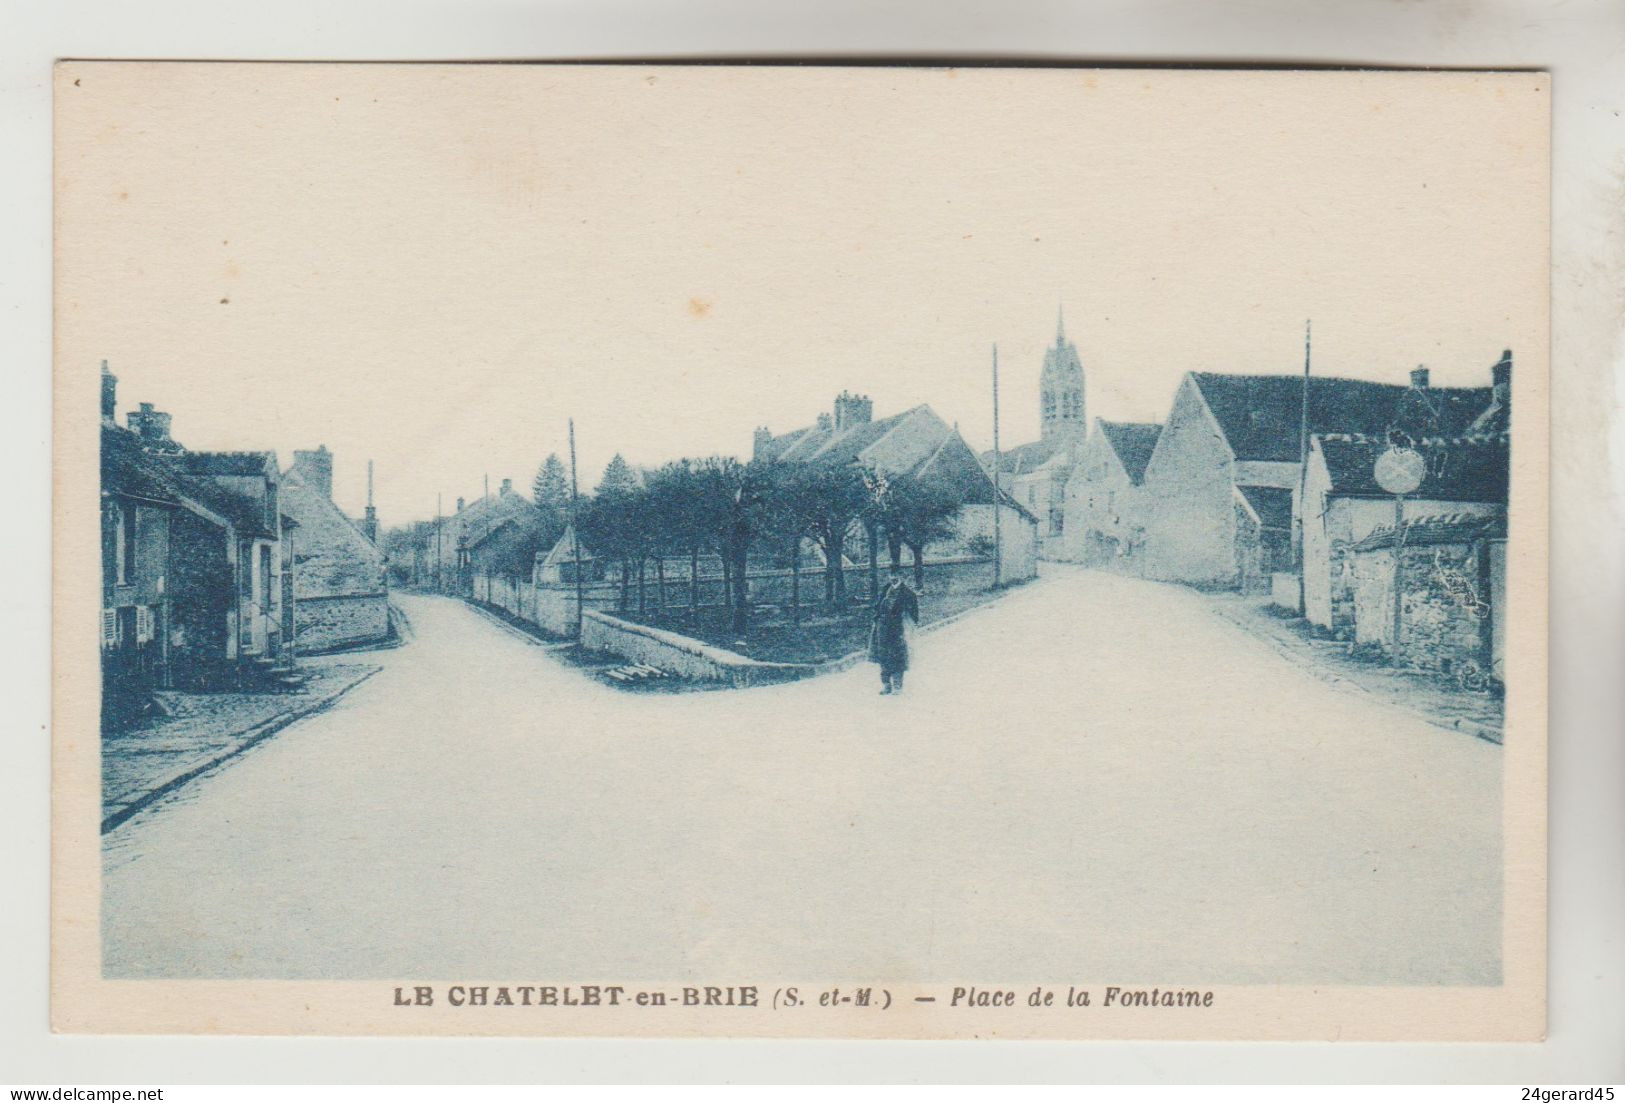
(248, 737)
(1469, 727)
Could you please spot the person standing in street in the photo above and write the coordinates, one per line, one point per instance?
(888, 646)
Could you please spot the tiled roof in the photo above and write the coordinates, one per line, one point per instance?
(1472, 468)
(127, 469)
(1133, 441)
(1260, 414)
(228, 463)
(847, 445)
(1449, 528)
(1272, 504)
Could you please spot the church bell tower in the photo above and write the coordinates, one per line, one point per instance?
(1060, 389)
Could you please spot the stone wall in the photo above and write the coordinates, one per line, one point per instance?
(322, 624)
(684, 657)
(1445, 603)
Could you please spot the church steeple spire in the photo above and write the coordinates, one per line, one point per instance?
(1060, 327)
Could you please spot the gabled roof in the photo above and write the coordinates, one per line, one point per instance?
(1024, 459)
(1259, 415)
(915, 443)
(1133, 441)
(848, 445)
(1272, 505)
(1459, 469)
(129, 470)
(228, 463)
(332, 557)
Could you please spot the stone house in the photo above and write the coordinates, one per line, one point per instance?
(917, 444)
(340, 591)
(1103, 526)
(1465, 476)
(498, 534)
(1036, 474)
(1452, 583)
(192, 563)
(1228, 458)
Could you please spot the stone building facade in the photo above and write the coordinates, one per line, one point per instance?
(340, 589)
(1228, 458)
(1104, 523)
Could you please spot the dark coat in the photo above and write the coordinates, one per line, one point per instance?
(887, 644)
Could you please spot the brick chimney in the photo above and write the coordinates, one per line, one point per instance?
(825, 422)
(315, 469)
(851, 410)
(507, 489)
(759, 443)
(109, 394)
(151, 425)
(1419, 377)
(1501, 378)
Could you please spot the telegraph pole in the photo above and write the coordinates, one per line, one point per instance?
(998, 493)
(437, 548)
(575, 532)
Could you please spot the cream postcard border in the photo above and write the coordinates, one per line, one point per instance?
(84, 1002)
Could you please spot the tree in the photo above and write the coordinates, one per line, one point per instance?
(912, 514)
(835, 498)
(733, 496)
(551, 488)
(783, 523)
(618, 476)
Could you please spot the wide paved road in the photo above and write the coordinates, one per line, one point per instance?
(1095, 779)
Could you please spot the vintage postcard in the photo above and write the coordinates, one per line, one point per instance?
(800, 551)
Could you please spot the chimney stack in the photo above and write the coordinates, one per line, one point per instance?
(109, 394)
(825, 422)
(315, 469)
(1501, 378)
(507, 488)
(1419, 378)
(852, 410)
(459, 505)
(151, 425)
(763, 438)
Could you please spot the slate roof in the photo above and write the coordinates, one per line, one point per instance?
(1259, 414)
(1460, 469)
(1133, 441)
(1449, 528)
(1272, 504)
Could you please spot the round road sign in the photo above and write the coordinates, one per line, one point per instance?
(1399, 470)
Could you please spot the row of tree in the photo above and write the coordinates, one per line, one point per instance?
(735, 510)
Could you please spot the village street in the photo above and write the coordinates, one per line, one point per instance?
(1095, 779)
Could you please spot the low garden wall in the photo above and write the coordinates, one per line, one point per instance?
(679, 655)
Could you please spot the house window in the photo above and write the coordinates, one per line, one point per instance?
(1032, 495)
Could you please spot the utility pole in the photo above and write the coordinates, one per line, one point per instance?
(1303, 474)
(575, 533)
(437, 548)
(998, 492)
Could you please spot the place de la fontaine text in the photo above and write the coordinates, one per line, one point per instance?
(790, 997)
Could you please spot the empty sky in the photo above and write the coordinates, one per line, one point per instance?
(433, 267)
